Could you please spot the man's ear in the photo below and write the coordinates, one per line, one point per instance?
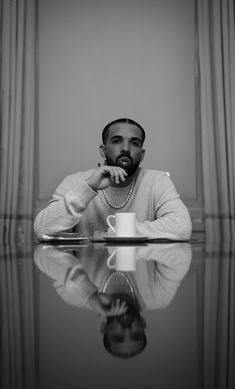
(142, 154)
(103, 326)
(143, 322)
(102, 151)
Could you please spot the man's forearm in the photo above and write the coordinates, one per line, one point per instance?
(173, 225)
(66, 208)
(55, 218)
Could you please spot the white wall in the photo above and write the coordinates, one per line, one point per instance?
(104, 59)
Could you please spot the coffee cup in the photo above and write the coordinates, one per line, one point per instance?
(123, 258)
(125, 224)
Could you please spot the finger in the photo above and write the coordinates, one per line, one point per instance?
(118, 311)
(116, 175)
(119, 307)
(112, 174)
(112, 310)
(122, 174)
(122, 308)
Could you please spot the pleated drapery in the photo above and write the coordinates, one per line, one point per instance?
(216, 74)
(18, 310)
(218, 316)
(17, 141)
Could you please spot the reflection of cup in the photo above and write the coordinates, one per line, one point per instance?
(125, 258)
(125, 224)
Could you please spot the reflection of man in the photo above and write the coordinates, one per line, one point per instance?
(84, 200)
(124, 335)
(119, 297)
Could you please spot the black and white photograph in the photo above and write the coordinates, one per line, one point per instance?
(117, 194)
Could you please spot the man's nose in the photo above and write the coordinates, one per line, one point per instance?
(125, 146)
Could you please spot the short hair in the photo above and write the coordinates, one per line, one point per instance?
(122, 120)
(127, 354)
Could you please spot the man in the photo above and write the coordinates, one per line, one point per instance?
(83, 279)
(124, 335)
(83, 200)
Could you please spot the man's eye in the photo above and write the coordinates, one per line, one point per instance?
(115, 141)
(137, 144)
(137, 336)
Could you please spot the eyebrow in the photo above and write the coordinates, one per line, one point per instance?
(132, 138)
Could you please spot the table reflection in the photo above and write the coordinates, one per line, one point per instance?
(59, 308)
(143, 277)
(18, 312)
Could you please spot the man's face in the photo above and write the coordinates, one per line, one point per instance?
(126, 333)
(123, 147)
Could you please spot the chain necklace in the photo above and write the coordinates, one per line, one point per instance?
(123, 276)
(124, 202)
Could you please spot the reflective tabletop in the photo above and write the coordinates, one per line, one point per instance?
(101, 315)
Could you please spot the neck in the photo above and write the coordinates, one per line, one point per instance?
(127, 297)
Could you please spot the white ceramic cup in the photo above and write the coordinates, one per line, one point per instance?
(125, 258)
(125, 224)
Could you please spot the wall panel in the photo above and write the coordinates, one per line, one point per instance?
(100, 60)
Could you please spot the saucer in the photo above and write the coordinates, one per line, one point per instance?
(138, 238)
(63, 237)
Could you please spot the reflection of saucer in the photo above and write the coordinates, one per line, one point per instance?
(126, 238)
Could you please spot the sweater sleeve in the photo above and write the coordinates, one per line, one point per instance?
(160, 272)
(66, 207)
(172, 219)
(69, 278)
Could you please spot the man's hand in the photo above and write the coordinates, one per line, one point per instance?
(105, 175)
(106, 305)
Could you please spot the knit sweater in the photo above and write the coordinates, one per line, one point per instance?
(160, 213)
(159, 272)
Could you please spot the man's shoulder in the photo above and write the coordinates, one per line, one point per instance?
(155, 179)
(153, 173)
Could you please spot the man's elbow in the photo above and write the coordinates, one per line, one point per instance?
(37, 228)
(185, 227)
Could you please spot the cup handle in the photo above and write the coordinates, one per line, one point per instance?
(110, 258)
(110, 225)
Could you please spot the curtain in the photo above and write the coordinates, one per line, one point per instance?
(219, 317)
(216, 70)
(18, 311)
(17, 138)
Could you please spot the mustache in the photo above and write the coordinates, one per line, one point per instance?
(125, 154)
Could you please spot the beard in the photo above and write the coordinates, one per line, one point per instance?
(132, 314)
(130, 168)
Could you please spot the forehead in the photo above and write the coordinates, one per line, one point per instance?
(125, 130)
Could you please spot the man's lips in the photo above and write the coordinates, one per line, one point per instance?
(124, 159)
